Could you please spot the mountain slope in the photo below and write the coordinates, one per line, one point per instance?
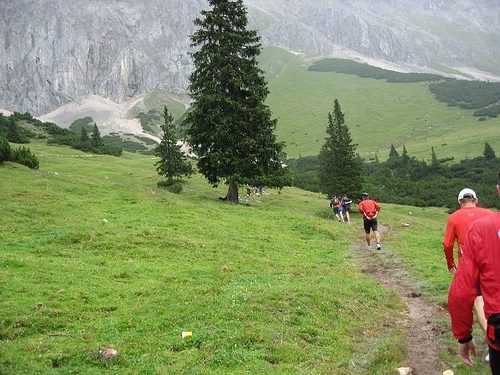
(377, 112)
(55, 51)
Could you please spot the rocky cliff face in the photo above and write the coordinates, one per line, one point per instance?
(54, 51)
(59, 50)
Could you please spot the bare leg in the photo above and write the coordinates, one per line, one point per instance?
(367, 239)
(479, 307)
(348, 217)
(377, 236)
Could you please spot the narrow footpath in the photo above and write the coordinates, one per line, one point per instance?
(423, 340)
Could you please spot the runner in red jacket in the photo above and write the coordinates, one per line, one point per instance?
(457, 228)
(459, 223)
(480, 263)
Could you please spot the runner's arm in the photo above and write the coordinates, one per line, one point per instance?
(448, 242)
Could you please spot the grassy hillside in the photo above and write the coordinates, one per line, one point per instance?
(378, 113)
(149, 111)
(93, 255)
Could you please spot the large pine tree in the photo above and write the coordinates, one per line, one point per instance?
(173, 163)
(230, 127)
(340, 167)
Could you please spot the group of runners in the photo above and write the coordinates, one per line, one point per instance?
(341, 208)
(367, 207)
(476, 272)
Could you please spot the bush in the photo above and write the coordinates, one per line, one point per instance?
(172, 186)
(10, 130)
(23, 155)
(5, 152)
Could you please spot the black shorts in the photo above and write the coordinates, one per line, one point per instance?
(370, 224)
(494, 361)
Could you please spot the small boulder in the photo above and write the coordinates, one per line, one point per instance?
(108, 353)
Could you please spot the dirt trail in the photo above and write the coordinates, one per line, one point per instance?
(423, 332)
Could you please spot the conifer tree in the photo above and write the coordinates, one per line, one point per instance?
(405, 158)
(84, 136)
(394, 159)
(340, 167)
(230, 127)
(434, 159)
(173, 163)
(489, 153)
(95, 138)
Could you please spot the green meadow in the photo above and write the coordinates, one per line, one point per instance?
(377, 112)
(93, 255)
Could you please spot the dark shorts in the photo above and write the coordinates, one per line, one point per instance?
(336, 209)
(347, 209)
(370, 224)
(494, 361)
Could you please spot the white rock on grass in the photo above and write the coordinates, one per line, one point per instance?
(405, 371)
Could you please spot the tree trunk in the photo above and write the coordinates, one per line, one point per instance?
(232, 192)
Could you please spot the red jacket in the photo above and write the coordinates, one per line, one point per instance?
(456, 229)
(368, 208)
(480, 263)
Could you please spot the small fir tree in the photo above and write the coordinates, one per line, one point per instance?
(405, 157)
(340, 167)
(95, 138)
(489, 153)
(84, 136)
(230, 126)
(173, 163)
(394, 159)
(434, 159)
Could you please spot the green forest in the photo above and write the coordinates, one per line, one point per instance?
(402, 179)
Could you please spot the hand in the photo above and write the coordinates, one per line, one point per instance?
(465, 351)
(453, 269)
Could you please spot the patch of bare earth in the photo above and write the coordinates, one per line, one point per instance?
(423, 340)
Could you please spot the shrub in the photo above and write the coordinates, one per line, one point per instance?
(23, 155)
(171, 185)
(175, 188)
(5, 152)
(10, 130)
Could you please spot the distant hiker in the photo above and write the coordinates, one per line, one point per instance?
(334, 204)
(370, 209)
(457, 228)
(479, 265)
(340, 210)
(346, 205)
